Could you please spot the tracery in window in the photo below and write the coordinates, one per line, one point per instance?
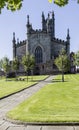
(38, 55)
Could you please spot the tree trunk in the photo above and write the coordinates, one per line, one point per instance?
(32, 75)
(62, 76)
(27, 75)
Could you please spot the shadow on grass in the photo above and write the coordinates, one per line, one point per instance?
(36, 80)
(58, 80)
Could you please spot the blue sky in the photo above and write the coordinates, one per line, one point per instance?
(65, 17)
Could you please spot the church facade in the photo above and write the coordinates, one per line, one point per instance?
(42, 44)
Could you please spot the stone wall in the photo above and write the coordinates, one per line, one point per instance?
(57, 47)
(42, 40)
(21, 51)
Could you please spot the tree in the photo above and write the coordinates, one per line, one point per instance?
(11, 4)
(28, 61)
(6, 65)
(61, 2)
(76, 59)
(17, 4)
(15, 64)
(1, 62)
(14, 5)
(62, 63)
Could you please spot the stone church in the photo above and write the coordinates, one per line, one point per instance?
(42, 44)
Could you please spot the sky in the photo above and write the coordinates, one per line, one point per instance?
(65, 17)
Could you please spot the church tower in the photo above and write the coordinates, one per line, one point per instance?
(43, 22)
(14, 45)
(51, 25)
(41, 43)
(68, 42)
(29, 26)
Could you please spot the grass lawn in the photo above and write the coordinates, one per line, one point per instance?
(11, 85)
(56, 102)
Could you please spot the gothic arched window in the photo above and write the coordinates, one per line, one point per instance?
(38, 55)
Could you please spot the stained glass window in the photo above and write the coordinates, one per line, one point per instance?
(38, 55)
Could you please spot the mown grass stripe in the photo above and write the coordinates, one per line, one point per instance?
(56, 102)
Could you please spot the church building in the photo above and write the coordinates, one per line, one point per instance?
(42, 44)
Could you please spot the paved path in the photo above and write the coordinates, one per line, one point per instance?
(12, 101)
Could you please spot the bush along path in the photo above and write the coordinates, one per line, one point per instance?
(10, 102)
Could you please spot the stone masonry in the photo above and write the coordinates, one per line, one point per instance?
(42, 44)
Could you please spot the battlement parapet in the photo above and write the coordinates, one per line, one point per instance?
(21, 43)
(59, 40)
(37, 31)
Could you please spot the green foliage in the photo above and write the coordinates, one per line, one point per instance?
(15, 64)
(6, 65)
(76, 58)
(1, 62)
(62, 61)
(61, 2)
(11, 4)
(28, 61)
(17, 4)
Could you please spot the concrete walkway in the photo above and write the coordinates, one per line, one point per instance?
(10, 102)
